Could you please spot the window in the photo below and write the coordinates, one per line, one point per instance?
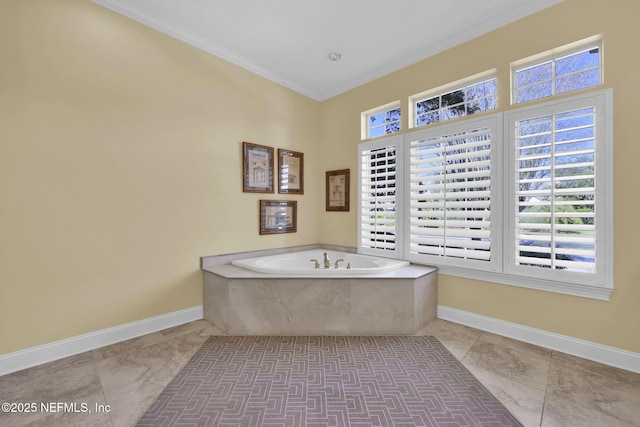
(450, 198)
(380, 191)
(453, 103)
(527, 203)
(522, 197)
(559, 199)
(381, 121)
(558, 74)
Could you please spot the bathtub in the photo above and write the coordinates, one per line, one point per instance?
(303, 263)
(287, 295)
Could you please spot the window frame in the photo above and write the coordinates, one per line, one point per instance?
(602, 101)
(553, 56)
(382, 109)
(461, 84)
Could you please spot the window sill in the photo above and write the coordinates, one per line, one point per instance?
(585, 291)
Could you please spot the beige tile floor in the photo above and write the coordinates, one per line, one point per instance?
(539, 386)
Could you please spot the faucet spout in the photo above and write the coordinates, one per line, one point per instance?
(327, 263)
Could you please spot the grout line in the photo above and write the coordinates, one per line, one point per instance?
(106, 402)
(472, 345)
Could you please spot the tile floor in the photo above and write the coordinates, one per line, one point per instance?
(539, 386)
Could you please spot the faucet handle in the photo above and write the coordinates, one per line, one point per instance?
(338, 263)
(327, 263)
(317, 264)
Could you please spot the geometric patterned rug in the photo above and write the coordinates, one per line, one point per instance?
(325, 381)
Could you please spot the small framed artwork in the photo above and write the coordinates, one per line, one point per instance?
(291, 172)
(257, 168)
(278, 216)
(337, 187)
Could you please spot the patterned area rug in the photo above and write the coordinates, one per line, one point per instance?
(325, 381)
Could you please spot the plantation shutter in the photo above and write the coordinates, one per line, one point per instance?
(379, 190)
(450, 196)
(555, 192)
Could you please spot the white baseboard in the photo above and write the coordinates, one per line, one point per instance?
(33, 356)
(611, 356)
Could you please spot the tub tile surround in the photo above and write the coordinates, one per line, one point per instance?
(243, 302)
(278, 306)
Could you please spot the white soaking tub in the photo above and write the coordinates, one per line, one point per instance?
(304, 263)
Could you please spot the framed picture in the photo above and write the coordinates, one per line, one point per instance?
(291, 171)
(257, 168)
(337, 186)
(278, 216)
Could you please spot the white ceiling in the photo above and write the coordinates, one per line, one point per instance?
(289, 41)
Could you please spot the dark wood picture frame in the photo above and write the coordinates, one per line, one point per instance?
(278, 216)
(290, 172)
(257, 168)
(337, 190)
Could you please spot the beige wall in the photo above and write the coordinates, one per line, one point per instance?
(120, 165)
(615, 323)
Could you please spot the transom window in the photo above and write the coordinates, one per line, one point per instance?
(455, 102)
(556, 75)
(381, 121)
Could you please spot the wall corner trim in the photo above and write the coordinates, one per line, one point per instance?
(600, 353)
(22, 359)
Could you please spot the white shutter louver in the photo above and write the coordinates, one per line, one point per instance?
(378, 198)
(450, 195)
